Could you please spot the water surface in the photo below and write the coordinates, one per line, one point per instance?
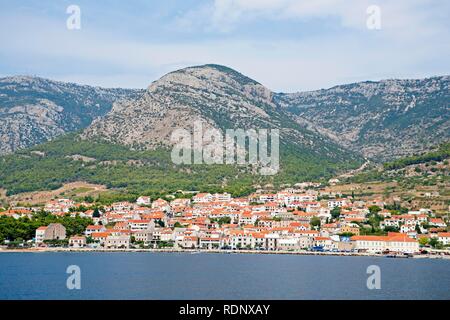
(218, 276)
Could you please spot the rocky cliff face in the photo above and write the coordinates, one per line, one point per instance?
(34, 110)
(215, 95)
(381, 120)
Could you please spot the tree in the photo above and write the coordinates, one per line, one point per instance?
(374, 209)
(435, 243)
(346, 234)
(418, 229)
(224, 220)
(315, 222)
(88, 199)
(96, 213)
(177, 225)
(423, 241)
(335, 212)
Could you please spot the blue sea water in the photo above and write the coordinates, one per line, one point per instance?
(218, 276)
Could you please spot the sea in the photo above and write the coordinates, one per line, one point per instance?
(191, 276)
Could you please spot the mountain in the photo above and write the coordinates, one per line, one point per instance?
(219, 97)
(381, 120)
(127, 144)
(368, 118)
(35, 110)
(129, 147)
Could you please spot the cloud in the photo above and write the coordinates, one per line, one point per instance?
(98, 56)
(399, 18)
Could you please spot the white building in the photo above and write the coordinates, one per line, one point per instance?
(122, 241)
(393, 242)
(144, 201)
(444, 237)
(332, 203)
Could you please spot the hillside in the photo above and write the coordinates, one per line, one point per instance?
(217, 96)
(382, 120)
(69, 158)
(129, 148)
(368, 118)
(123, 138)
(35, 110)
(430, 168)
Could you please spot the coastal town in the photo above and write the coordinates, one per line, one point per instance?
(295, 219)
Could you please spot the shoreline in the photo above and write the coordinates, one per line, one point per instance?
(442, 255)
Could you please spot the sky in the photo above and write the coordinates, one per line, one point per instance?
(287, 45)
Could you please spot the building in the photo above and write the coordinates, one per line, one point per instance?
(145, 236)
(393, 242)
(54, 231)
(202, 198)
(332, 203)
(221, 197)
(77, 241)
(100, 237)
(444, 237)
(139, 225)
(350, 228)
(210, 243)
(94, 228)
(289, 244)
(325, 242)
(438, 222)
(117, 241)
(189, 242)
(144, 201)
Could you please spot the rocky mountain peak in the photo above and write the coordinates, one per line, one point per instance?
(212, 78)
(218, 96)
(35, 110)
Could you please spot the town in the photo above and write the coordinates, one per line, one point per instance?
(303, 218)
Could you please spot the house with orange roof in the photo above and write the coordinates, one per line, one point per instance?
(210, 243)
(385, 213)
(121, 207)
(329, 228)
(138, 225)
(325, 242)
(94, 228)
(393, 242)
(77, 241)
(121, 225)
(247, 218)
(99, 237)
(407, 228)
(161, 204)
(444, 237)
(299, 225)
(181, 202)
(188, 242)
(202, 198)
(437, 222)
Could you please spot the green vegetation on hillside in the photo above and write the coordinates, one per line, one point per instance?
(50, 165)
(442, 153)
(24, 228)
(426, 167)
